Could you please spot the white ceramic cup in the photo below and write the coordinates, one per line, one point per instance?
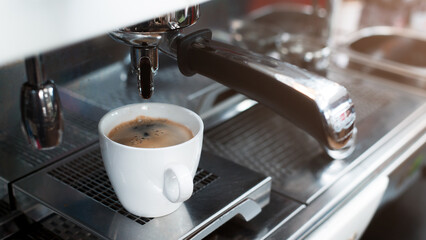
(151, 182)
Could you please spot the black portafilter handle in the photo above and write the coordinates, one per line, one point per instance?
(320, 107)
(41, 114)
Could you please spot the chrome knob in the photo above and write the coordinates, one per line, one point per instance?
(41, 113)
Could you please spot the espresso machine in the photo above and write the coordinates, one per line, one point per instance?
(287, 153)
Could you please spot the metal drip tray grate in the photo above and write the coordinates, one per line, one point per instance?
(368, 100)
(78, 188)
(87, 174)
(265, 142)
(4, 209)
(65, 229)
(53, 227)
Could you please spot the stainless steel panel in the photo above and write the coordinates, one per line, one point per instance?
(118, 89)
(77, 187)
(393, 53)
(410, 171)
(274, 215)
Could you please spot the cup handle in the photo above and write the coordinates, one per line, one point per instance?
(178, 185)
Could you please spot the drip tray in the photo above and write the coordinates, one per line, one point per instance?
(53, 227)
(78, 188)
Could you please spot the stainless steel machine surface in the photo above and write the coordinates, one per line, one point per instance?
(256, 138)
(261, 134)
(260, 177)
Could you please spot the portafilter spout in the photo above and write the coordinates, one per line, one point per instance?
(144, 38)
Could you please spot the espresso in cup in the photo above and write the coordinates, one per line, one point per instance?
(147, 132)
(154, 176)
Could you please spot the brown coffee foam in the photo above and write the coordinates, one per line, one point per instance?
(147, 132)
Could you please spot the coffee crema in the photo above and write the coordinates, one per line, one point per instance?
(147, 132)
